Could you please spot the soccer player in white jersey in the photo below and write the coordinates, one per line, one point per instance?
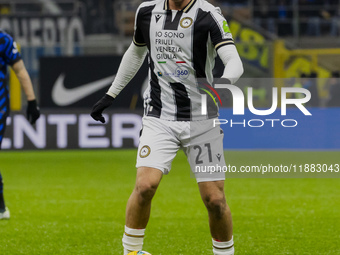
(181, 38)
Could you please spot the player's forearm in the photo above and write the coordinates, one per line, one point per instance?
(233, 65)
(131, 62)
(24, 79)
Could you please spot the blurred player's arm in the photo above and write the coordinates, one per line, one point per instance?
(129, 66)
(33, 112)
(24, 79)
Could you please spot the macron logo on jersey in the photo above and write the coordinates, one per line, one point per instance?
(158, 16)
(63, 96)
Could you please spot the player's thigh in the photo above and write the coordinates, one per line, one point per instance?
(205, 153)
(158, 145)
(148, 179)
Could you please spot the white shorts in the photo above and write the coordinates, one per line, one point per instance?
(201, 142)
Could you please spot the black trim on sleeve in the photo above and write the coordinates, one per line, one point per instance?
(15, 60)
(224, 43)
(138, 44)
(217, 34)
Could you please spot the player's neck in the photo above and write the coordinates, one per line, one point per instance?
(178, 4)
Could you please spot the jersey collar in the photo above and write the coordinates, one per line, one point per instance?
(186, 9)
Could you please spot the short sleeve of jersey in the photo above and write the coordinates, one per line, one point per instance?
(8, 49)
(138, 38)
(219, 30)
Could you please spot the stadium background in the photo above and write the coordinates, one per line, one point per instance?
(71, 195)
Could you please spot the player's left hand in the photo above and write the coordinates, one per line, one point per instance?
(33, 111)
(100, 106)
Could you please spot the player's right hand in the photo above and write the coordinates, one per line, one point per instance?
(100, 106)
(32, 111)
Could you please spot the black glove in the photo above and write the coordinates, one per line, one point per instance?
(33, 111)
(99, 107)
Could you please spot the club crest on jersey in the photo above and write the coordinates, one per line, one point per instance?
(186, 22)
(144, 151)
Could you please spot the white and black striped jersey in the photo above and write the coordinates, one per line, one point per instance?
(181, 50)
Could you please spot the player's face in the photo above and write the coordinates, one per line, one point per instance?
(179, 3)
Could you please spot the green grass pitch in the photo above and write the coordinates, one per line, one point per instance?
(73, 202)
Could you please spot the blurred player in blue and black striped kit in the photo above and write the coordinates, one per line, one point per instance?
(9, 55)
